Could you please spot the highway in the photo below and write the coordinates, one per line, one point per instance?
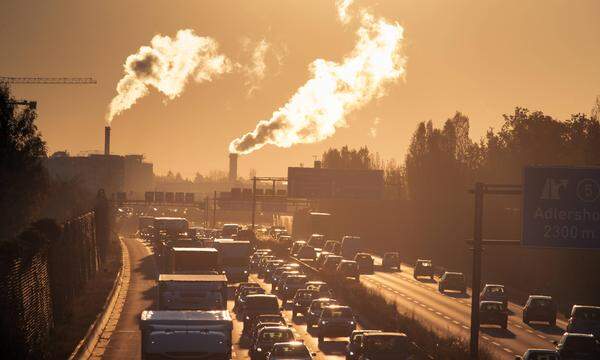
(122, 341)
(450, 313)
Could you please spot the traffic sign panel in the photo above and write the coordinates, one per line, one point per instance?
(561, 207)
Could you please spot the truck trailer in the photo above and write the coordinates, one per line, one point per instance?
(186, 334)
(193, 260)
(234, 258)
(192, 292)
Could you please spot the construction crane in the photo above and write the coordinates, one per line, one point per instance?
(46, 80)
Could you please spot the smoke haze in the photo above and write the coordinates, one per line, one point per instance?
(167, 65)
(335, 89)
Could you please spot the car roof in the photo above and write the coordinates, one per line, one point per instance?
(296, 276)
(315, 282)
(581, 335)
(390, 334)
(337, 306)
(585, 306)
(490, 302)
(545, 297)
(270, 296)
(454, 273)
(364, 331)
(324, 299)
(348, 262)
(494, 285)
(275, 327)
(291, 343)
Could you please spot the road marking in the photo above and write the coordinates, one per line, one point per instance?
(495, 343)
(507, 350)
(519, 326)
(465, 327)
(529, 331)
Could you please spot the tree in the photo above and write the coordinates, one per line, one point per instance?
(23, 178)
(346, 158)
(252, 174)
(198, 179)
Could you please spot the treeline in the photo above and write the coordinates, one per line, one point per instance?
(443, 163)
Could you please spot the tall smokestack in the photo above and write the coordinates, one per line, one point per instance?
(233, 157)
(107, 140)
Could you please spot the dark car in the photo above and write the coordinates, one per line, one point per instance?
(321, 286)
(295, 350)
(385, 346)
(335, 321)
(321, 258)
(277, 285)
(578, 347)
(584, 319)
(261, 321)
(539, 354)
(355, 343)
(540, 308)
(266, 338)
(302, 301)
(240, 299)
(281, 269)
(348, 269)
(289, 287)
(269, 264)
(259, 305)
(245, 285)
(262, 263)
(493, 313)
(365, 263)
(307, 252)
(333, 247)
(331, 264)
(391, 261)
(494, 292)
(270, 268)
(296, 246)
(423, 268)
(255, 258)
(314, 310)
(452, 281)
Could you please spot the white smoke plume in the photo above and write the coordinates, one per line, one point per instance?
(167, 65)
(257, 68)
(342, 9)
(373, 129)
(335, 89)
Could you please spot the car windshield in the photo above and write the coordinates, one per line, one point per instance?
(276, 335)
(425, 264)
(580, 344)
(317, 305)
(451, 276)
(341, 313)
(583, 313)
(382, 344)
(290, 350)
(266, 303)
(491, 307)
(251, 291)
(305, 295)
(496, 290)
(542, 303)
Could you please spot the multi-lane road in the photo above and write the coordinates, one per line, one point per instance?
(450, 314)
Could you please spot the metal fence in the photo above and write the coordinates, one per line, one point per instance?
(41, 273)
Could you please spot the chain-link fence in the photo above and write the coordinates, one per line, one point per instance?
(41, 273)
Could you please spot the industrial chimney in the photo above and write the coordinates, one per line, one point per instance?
(107, 140)
(233, 158)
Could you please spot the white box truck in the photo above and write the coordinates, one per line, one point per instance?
(234, 257)
(192, 292)
(186, 334)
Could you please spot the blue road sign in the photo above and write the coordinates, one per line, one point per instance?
(561, 207)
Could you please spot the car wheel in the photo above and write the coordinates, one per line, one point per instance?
(553, 322)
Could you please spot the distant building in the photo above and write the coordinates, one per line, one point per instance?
(113, 173)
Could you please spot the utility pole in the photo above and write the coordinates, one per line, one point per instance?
(214, 222)
(206, 221)
(253, 202)
(476, 283)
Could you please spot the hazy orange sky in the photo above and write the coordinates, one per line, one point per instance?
(482, 58)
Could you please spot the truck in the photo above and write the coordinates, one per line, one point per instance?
(169, 227)
(186, 334)
(351, 245)
(234, 258)
(230, 230)
(192, 292)
(306, 223)
(193, 260)
(146, 227)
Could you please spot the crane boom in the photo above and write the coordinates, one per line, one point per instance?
(46, 80)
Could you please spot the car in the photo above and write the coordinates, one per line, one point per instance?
(290, 285)
(321, 286)
(539, 354)
(261, 320)
(331, 264)
(285, 240)
(295, 350)
(240, 299)
(584, 319)
(335, 321)
(390, 261)
(307, 252)
(452, 281)
(266, 338)
(385, 346)
(493, 313)
(302, 300)
(355, 342)
(280, 270)
(262, 263)
(365, 263)
(423, 268)
(317, 241)
(578, 347)
(259, 304)
(348, 269)
(296, 247)
(314, 310)
(321, 258)
(270, 267)
(258, 327)
(256, 256)
(494, 292)
(281, 279)
(245, 285)
(540, 308)
(333, 247)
